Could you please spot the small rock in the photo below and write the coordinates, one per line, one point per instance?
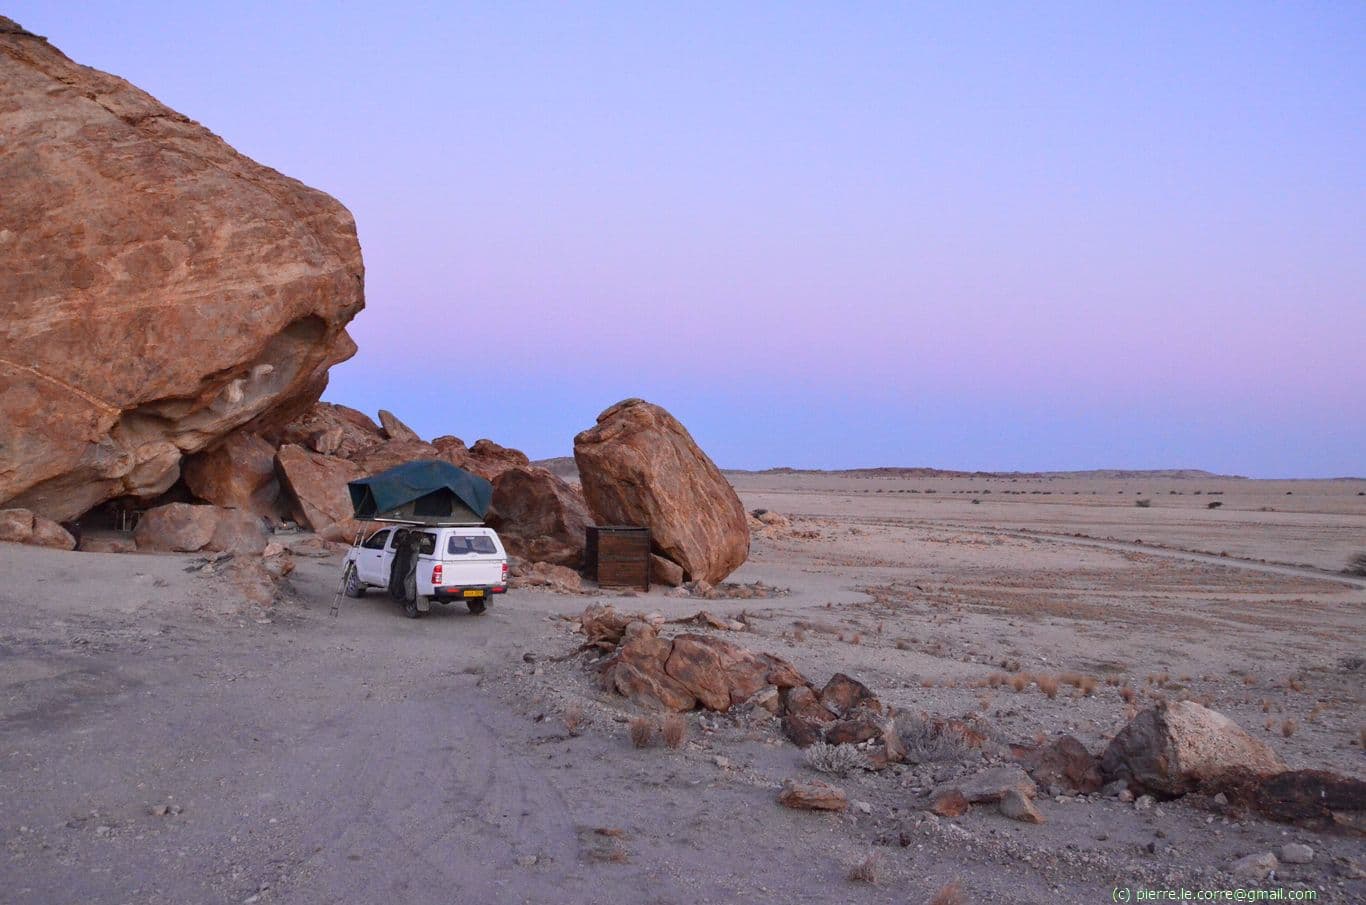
(863, 807)
(160, 810)
(1112, 789)
(527, 861)
(1125, 796)
(1017, 806)
(1296, 853)
(1143, 803)
(1256, 867)
(722, 762)
(812, 795)
(950, 803)
(103, 830)
(1221, 799)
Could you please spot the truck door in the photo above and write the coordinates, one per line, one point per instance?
(370, 558)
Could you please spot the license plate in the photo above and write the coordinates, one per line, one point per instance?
(474, 593)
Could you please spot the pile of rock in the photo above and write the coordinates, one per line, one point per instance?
(693, 670)
(20, 526)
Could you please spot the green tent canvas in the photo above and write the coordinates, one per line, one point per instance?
(427, 491)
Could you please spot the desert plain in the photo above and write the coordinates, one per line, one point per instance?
(164, 739)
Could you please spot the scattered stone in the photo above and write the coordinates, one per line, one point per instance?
(1254, 867)
(1017, 806)
(1143, 803)
(1296, 853)
(1181, 746)
(950, 803)
(525, 860)
(993, 783)
(812, 795)
(539, 516)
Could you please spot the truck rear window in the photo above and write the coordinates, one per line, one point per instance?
(464, 546)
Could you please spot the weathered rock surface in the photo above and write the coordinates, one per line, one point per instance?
(1018, 806)
(539, 516)
(330, 429)
(395, 429)
(21, 526)
(993, 783)
(1318, 799)
(665, 571)
(950, 803)
(1065, 762)
(238, 473)
(804, 716)
(485, 458)
(812, 795)
(161, 290)
(549, 575)
(107, 545)
(185, 528)
(639, 466)
(317, 484)
(1176, 748)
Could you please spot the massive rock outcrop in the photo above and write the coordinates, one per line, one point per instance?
(159, 289)
(238, 473)
(639, 466)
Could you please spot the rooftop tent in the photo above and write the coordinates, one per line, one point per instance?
(427, 491)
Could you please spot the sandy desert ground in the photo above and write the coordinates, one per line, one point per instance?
(165, 741)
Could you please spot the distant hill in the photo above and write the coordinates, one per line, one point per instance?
(895, 472)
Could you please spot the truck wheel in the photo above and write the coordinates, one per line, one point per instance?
(354, 586)
(477, 607)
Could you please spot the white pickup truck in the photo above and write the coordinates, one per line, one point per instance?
(453, 563)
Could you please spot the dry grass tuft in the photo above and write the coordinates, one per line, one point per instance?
(1020, 681)
(857, 639)
(798, 635)
(674, 731)
(984, 702)
(1127, 694)
(1048, 685)
(1288, 728)
(1087, 686)
(1270, 724)
(1266, 705)
(1294, 684)
(869, 870)
(951, 893)
(573, 719)
(642, 731)
(1317, 711)
(837, 760)
(997, 679)
(902, 644)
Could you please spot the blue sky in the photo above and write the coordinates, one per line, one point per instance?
(997, 236)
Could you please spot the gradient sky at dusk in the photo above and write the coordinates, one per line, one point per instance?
(997, 236)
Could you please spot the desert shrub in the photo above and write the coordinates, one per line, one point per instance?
(573, 719)
(869, 870)
(674, 731)
(927, 742)
(1288, 728)
(1357, 564)
(837, 760)
(1048, 685)
(1215, 504)
(949, 894)
(642, 731)
(1143, 503)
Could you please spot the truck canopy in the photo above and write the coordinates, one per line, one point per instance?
(426, 491)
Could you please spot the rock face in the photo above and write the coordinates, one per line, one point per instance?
(238, 473)
(20, 526)
(540, 517)
(1177, 748)
(160, 289)
(333, 430)
(639, 466)
(317, 484)
(1066, 763)
(185, 528)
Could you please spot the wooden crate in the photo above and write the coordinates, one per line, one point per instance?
(619, 556)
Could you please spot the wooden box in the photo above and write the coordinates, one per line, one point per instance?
(618, 556)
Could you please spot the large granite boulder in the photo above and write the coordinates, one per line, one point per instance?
(639, 466)
(485, 458)
(238, 473)
(395, 429)
(1175, 748)
(160, 290)
(20, 526)
(186, 527)
(317, 485)
(540, 517)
